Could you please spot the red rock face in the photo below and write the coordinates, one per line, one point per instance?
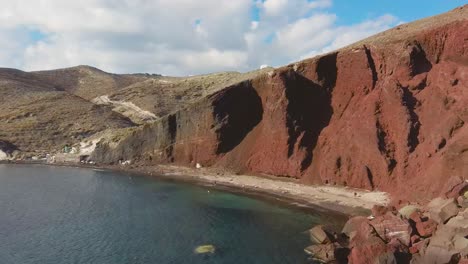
(387, 114)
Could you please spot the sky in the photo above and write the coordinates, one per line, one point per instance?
(187, 37)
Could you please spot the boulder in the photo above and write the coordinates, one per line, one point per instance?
(442, 210)
(439, 255)
(416, 247)
(324, 253)
(352, 226)
(447, 245)
(371, 251)
(455, 187)
(390, 227)
(460, 244)
(464, 213)
(366, 245)
(461, 200)
(408, 210)
(321, 235)
(415, 239)
(362, 234)
(421, 248)
(458, 190)
(445, 235)
(415, 217)
(458, 222)
(426, 228)
(400, 251)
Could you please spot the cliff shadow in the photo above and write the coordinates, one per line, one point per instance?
(237, 110)
(308, 112)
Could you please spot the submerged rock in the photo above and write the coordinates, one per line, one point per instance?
(204, 249)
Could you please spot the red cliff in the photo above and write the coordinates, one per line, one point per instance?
(387, 113)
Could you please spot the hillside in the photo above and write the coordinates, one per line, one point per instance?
(46, 110)
(387, 113)
(87, 82)
(167, 94)
(38, 118)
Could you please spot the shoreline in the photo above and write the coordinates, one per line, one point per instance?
(323, 198)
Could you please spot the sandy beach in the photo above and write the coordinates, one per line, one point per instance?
(345, 200)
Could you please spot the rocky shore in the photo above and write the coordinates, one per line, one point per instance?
(434, 233)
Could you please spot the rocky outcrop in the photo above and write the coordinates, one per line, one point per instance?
(7, 150)
(391, 236)
(386, 113)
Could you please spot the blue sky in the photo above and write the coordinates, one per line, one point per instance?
(353, 11)
(409, 10)
(182, 37)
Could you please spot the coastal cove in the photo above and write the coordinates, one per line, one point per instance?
(58, 214)
(287, 192)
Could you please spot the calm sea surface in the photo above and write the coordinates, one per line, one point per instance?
(65, 215)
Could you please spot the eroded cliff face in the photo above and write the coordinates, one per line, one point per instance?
(387, 113)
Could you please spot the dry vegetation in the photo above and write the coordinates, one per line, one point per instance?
(43, 111)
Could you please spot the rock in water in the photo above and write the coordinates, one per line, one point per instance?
(320, 235)
(205, 249)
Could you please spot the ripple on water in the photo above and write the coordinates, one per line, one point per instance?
(75, 215)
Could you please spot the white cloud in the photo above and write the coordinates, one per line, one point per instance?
(306, 33)
(177, 37)
(347, 35)
(320, 4)
(274, 7)
(254, 25)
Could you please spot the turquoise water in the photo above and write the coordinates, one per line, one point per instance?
(74, 215)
